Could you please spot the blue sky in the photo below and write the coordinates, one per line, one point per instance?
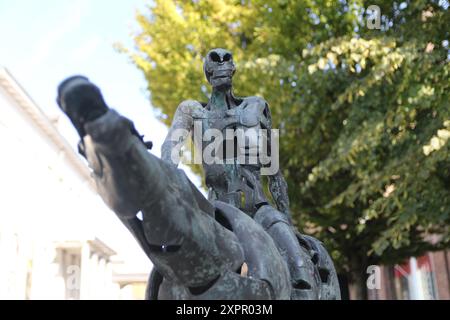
(43, 42)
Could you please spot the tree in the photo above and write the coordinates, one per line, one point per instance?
(364, 113)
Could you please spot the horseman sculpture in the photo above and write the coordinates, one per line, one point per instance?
(233, 245)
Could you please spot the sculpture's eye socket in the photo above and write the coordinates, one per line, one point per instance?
(215, 57)
(226, 57)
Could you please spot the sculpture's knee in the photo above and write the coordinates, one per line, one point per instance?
(267, 216)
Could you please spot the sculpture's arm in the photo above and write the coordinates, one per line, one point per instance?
(279, 190)
(277, 184)
(182, 125)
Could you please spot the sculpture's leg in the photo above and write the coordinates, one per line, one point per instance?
(304, 276)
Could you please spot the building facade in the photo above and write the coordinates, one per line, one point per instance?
(422, 278)
(57, 238)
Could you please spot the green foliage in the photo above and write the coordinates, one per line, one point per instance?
(364, 114)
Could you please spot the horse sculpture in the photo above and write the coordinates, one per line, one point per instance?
(233, 245)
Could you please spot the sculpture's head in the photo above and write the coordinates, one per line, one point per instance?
(219, 68)
(81, 101)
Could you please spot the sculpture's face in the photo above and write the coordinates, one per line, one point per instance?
(219, 68)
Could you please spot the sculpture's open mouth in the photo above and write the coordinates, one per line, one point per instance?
(222, 74)
(222, 77)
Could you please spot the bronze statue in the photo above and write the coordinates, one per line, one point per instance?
(233, 245)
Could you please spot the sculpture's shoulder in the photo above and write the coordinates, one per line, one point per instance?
(190, 107)
(260, 102)
(258, 107)
(185, 114)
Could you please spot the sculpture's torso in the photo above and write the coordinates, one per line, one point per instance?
(235, 178)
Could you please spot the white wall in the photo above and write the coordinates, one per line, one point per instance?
(44, 199)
